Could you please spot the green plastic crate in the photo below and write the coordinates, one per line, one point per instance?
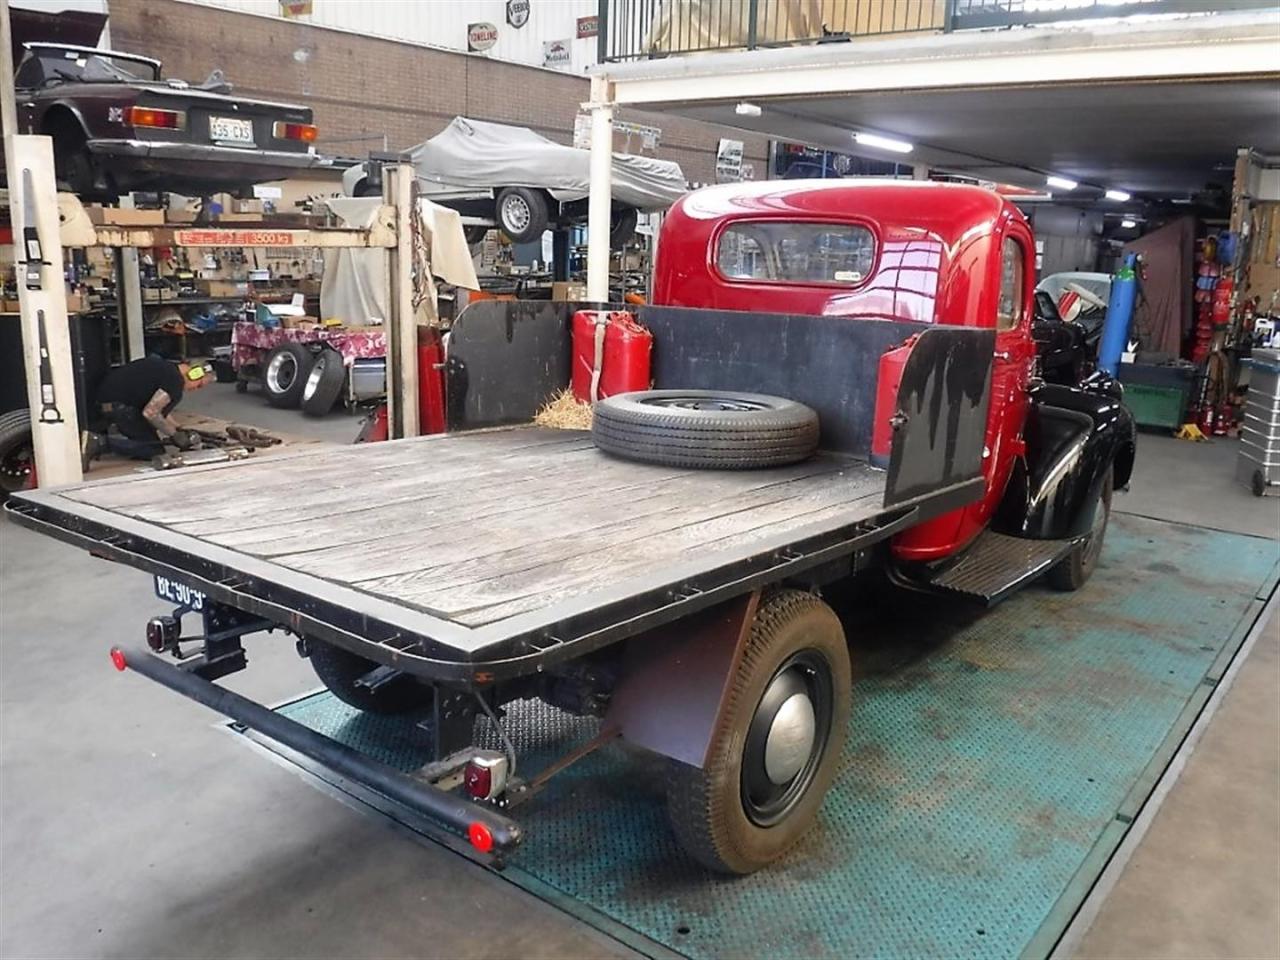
(1156, 406)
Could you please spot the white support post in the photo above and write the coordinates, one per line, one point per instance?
(129, 301)
(46, 334)
(599, 201)
(402, 328)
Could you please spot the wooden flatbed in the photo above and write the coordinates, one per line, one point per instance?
(472, 553)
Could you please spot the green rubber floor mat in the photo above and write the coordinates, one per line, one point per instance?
(995, 759)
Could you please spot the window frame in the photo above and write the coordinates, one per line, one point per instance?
(713, 251)
(1007, 238)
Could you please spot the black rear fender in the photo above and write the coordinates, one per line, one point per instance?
(1074, 436)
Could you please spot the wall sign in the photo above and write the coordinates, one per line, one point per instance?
(295, 8)
(588, 27)
(481, 36)
(729, 161)
(517, 13)
(555, 54)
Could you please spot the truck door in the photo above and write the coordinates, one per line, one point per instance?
(1014, 357)
(1006, 304)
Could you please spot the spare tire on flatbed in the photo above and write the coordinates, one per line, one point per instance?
(716, 429)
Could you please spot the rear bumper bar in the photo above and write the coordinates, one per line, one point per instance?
(488, 831)
(206, 153)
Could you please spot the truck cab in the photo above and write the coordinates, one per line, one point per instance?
(933, 253)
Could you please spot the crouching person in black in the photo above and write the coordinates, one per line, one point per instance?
(135, 401)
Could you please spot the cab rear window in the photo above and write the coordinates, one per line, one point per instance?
(790, 252)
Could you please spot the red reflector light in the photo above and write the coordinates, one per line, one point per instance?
(117, 658)
(480, 837)
(479, 781)
(305, 132)
(151, 117)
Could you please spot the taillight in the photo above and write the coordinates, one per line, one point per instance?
(117, 658)
(305, 132)
(480, 836)
(151, 117)
(485, 776)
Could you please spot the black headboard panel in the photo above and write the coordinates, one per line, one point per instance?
(829, 363)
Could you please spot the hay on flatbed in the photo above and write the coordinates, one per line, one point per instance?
(565, 412)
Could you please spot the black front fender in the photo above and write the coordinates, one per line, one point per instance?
(1074, 436)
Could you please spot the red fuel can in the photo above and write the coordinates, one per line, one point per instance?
(892, 363)
(611, 354)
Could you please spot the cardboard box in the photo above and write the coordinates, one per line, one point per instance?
(238, 218)
(223, 288)
(77, 302)
(300, 323)
(120, 217)
(562, 290)
(9, 306)
(247, 206)
(180, 216)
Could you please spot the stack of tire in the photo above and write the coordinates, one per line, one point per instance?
(294, 375)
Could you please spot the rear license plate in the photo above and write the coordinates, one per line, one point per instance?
(179, 594)
(231, 130)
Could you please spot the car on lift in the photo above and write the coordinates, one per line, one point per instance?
(118, 125)
(510, 177)
(451, 576)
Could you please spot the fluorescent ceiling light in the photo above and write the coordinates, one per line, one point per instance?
(745, 109)
(1062, 183)
(1118, 195)
(884, 143)
(1127, 224)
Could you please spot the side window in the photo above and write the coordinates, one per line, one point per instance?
(29, 73)
(1009, 311)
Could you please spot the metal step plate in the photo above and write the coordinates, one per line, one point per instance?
(996, 564)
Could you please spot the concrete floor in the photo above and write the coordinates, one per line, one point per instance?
(130, 827)
(221, 400)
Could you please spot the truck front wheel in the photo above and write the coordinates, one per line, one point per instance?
(339, 670)
(1073, 571)
(777, 743)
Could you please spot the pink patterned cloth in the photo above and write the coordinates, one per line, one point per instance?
(250, 342)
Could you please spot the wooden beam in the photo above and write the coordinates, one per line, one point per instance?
(46, 335)
(402, 327)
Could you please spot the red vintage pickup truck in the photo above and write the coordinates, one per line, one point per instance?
(451, 575)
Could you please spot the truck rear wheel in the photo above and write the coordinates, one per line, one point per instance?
(339, 670)
(776, 745)
(1074, 570)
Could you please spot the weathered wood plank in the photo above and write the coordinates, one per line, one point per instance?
(426, 513)
(653, 540)
(619, 569)
(334, 465)
(594, 518)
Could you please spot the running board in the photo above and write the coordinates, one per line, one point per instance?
(991, 568)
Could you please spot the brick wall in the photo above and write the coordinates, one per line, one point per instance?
(360, 86)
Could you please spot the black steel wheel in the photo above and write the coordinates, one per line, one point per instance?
(777, 742)
(284, 374)
(17, 454)
(324, 383)
(622, 226)
(705, 428)
(339, 670)
(522, 212)
(1075, 569)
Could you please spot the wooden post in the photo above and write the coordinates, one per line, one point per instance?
(46, 335)
(402, 329)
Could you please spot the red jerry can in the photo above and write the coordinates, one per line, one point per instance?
(611, 354)
(892, 364)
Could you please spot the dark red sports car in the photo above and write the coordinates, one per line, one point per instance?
(118, 126)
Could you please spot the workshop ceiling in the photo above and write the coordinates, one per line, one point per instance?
(1160, 140)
